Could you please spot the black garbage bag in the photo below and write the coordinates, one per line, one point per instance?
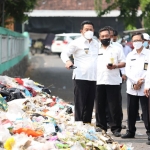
(46, 90)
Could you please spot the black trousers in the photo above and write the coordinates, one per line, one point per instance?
(108, 95)
(132, 110)
(84, 96)
(108, 114)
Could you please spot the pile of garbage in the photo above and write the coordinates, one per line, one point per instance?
(32, 119)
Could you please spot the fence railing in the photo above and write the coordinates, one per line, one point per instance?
(12, 45)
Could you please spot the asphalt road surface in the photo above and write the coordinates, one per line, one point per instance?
(50, 71)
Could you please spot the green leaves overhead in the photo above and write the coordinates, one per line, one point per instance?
(128, 10)
(16, 8)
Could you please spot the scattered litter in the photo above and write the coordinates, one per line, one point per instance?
(31, 118)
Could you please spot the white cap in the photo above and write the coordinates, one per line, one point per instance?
(146, 36)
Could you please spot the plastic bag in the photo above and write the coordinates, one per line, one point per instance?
(4, 133)
(29, 132)
(77, 146)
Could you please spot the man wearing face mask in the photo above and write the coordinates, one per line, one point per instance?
(110, 60)
(85, 53)
(113, 37)
(136, 69)
(146, 40)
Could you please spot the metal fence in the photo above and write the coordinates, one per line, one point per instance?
(11, 45)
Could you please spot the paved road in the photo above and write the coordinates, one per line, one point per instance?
(50, 71)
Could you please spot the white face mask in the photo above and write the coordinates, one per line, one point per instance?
(137, 45)
(88, 35)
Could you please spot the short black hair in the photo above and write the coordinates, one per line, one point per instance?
(137, 33)
(109, 28)
(104, 29)
(86, 22)
(115, 33)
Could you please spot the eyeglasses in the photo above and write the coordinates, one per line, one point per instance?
(137, 41)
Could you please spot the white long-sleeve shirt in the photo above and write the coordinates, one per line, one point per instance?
(135, 70)
(85, 58)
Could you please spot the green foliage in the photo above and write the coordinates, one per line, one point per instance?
(16, 8)
(128, 11)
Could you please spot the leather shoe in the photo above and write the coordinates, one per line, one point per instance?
(117, 134)
(128, 135)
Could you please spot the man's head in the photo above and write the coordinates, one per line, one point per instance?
(87, 29)
(115, 36)
(104, 36)
(111, 30)
(123, 42)
(137, 40)
(146, 40)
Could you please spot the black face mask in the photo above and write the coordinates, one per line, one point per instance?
(105, 42)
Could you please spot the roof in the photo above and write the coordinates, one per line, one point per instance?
(72, 13)
(65, 5)
(69, 34)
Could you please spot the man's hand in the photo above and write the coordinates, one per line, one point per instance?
(140, 82)
(111, 67)
(146, 92)
(68, 64)
(124, 77)
(136, 87)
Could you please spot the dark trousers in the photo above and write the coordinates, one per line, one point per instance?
(132, 110)
(108, 115)
(84, 95)
(108, 95)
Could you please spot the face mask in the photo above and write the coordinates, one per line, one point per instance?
(123, 44)
(88, 35)
(105, 42)
(145, 44)
(137, 45)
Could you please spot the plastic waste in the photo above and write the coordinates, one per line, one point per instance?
(77, 146)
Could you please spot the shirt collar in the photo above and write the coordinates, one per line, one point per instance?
(84, 39)
(142, 52)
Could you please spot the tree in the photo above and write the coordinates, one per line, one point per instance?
(17, 8)
(128, 10)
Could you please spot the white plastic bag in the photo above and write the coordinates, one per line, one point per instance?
(77, 146)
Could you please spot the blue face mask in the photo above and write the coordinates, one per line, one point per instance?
(145, 44)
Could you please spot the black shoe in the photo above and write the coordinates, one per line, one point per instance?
(117, 134)
(123, 127)
(148, 142)
(98, 129)
(128, 135)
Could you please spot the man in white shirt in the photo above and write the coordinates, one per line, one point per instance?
(110, 59)
(136, 68)
(113, 36)
(85, 53)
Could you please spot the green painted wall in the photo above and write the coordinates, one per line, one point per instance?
(25, 49)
